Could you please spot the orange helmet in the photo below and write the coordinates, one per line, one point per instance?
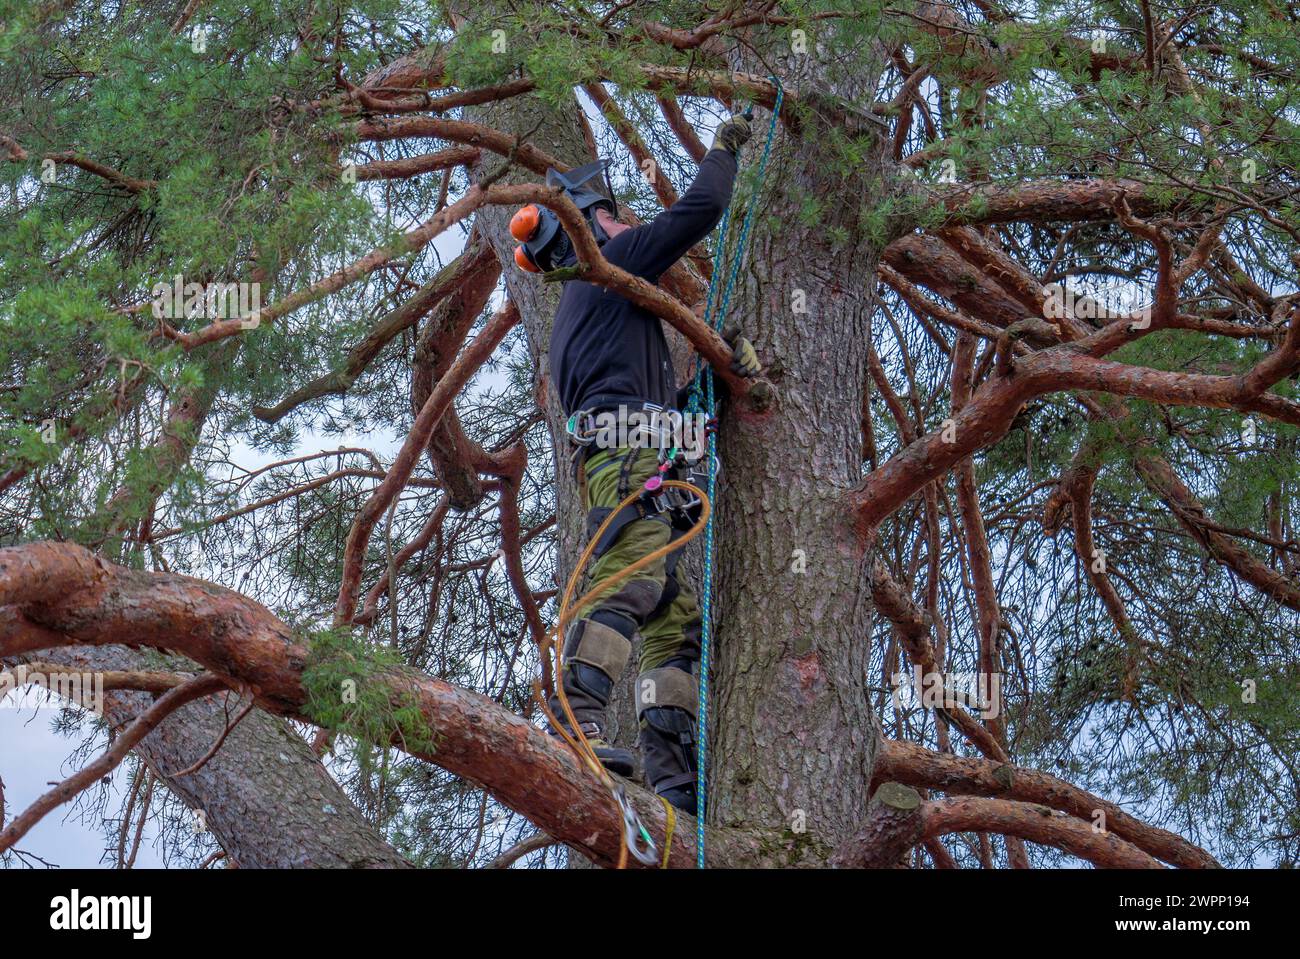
(545, 245)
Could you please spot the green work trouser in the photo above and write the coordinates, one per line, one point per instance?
(664, 610)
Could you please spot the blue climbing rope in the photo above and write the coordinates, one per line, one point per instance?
(704, 378)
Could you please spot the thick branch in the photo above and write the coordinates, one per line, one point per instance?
(913, 625)
(55, 674)
(413, 166)
(16, 153)
(894, 824)
(459, 131)
(457, 459)
(473, 261)
(440, 400)
(1035, 823)
(627, 132)
(1041, 201)
(914, 765)
(990, 413)
(79, 599)
(680, 126)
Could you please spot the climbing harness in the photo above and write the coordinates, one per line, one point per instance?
(704, 378)
(660, 432)
(656, 427)
(659, 495)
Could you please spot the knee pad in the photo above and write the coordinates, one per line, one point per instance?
(666, 688)
(672, 589)
(666, 708)
(595, 654)
(624, 624)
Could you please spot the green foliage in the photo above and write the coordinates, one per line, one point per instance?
(242, 144)
(354, 689)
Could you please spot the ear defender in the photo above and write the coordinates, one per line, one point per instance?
(523, 262)
(543, 243)
(523, 225)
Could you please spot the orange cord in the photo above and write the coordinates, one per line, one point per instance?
(553, 639)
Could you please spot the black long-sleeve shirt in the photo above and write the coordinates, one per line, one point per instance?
(605, 350)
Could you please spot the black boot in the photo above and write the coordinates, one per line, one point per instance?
(666, 705)
(683, 797)
(595, 652)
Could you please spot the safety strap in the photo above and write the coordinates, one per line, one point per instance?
(671, 812)
(625, 471)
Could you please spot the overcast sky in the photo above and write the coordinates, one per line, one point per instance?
(32, 756)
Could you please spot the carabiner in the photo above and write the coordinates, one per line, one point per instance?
(579, 435)
(634, 832)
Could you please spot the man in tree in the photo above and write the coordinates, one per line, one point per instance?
(888, 529)
(610, 356)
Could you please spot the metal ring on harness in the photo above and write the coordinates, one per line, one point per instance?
(582, 428)
(577, 434)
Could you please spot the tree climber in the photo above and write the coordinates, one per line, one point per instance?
(609, 356)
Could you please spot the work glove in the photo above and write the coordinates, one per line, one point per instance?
(732, 135)
(744, 361)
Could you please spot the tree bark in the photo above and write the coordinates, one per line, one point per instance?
(792, 732)
(895, 822)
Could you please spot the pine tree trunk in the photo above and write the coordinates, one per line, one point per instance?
(792, 733)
